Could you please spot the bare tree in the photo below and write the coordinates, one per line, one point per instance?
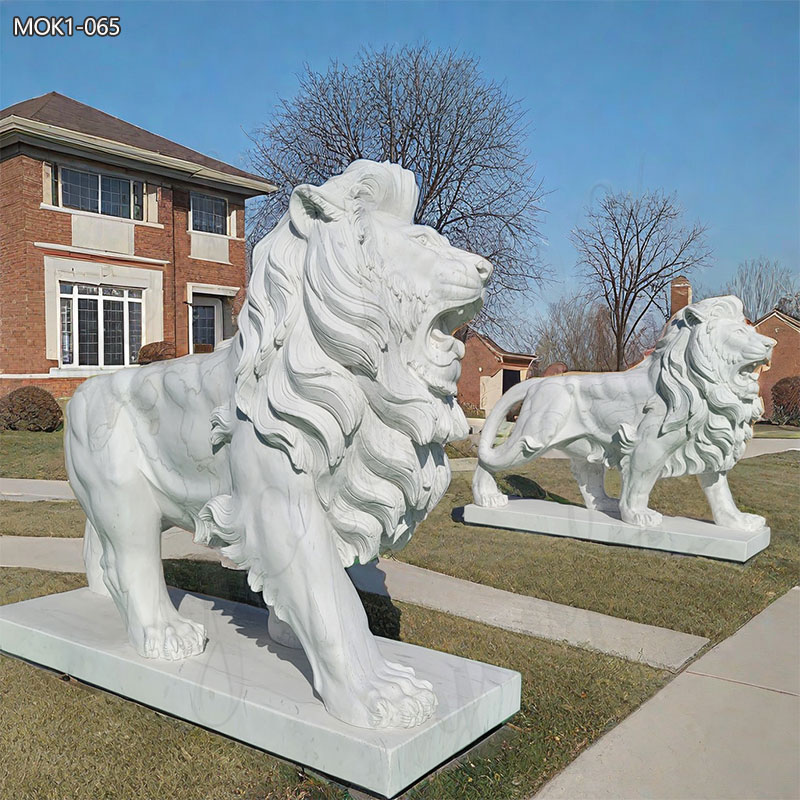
(761, 284)
(578, 331)
(574, 331)
(433, 112)
(790, 304)
(629, 250)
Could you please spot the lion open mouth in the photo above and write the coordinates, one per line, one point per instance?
(443, 351)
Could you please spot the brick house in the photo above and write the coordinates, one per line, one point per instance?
(110, 237)
(488, 371)
(785, 329)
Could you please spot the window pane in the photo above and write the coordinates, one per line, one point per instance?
(84, 289)
(135, 330)
(113, 333)
(203, 325)
(116, 197)
(134, 292)
(66, 330)
(78, 189)
(138, 201)
(111, 291)
(65, 288)
(209, 214)
(88, 344)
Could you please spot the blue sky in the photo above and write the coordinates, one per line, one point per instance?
(696, 98)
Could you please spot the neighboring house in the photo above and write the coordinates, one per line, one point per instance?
(488, 370)
(110, 237)
(785, 329)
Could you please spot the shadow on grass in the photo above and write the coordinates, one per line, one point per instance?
(522, 486)
(212, 579)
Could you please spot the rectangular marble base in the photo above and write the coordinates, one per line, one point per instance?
(675, 534)
(247, 687)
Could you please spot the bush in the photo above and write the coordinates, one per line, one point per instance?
(471, 410)
(156, 351)
(30, 408)
(786, 401)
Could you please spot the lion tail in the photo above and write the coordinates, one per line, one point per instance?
(504, 456)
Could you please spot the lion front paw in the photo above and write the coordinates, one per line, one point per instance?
(172, 639)
(641, 519)
(391, 698)
(743, 522)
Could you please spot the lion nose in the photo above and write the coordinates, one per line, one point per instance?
(484, 269)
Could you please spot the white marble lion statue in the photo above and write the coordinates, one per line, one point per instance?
(314, 439)
(686, 409)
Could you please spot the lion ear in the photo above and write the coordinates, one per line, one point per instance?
(693, 315)
(308, 203)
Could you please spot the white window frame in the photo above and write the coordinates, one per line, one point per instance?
(226, 216)
(99, 297)
(59, 201)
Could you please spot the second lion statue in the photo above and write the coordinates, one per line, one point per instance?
(687, 409)
(313, 439)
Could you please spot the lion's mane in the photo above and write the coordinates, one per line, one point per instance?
(685, 371)
(319, 376)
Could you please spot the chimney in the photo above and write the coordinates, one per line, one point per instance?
(680, 294)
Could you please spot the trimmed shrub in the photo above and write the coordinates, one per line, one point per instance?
(156, 351)
(786, 401)
(30, 408)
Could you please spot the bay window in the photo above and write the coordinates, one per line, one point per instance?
(100, 325)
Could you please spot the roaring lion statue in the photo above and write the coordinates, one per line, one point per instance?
(312, 440)
(687, 409)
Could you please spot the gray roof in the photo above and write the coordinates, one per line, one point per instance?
(64, 112)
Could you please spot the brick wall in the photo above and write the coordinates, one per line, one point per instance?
(478, 361)
(22, 301)
(58, 387)
(21, 276)
(193, 270)
(785, 356)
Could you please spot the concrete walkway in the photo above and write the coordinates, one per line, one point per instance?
(658, 647)
(728, 727)
(65, 554)
(645, 643)
(29, 491)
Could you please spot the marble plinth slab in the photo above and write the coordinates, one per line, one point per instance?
(675, 534)
(248, 687)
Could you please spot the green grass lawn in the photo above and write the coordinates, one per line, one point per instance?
(42, 518)
(764, 430)
(695, 595)
(32, 455)
(64, 740)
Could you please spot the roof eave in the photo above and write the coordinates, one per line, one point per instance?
(95, 144)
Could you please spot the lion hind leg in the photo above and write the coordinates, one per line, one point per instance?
(591, 482)
(484, 490)
(128, 529)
